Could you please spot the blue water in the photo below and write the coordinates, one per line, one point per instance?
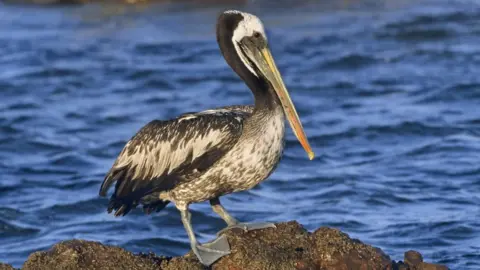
(388, 91)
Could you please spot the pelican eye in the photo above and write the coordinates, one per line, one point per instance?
(256, 35)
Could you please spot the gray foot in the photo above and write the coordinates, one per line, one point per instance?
(208, 253)
(221, 244)
(248, 226)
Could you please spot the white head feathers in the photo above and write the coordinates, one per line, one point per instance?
(249, 25)
(246, 27)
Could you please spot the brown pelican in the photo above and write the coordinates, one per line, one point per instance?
(202, 156)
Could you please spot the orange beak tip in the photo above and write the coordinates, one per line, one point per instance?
(311, 155)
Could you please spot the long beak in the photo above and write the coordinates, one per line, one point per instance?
(265, 63)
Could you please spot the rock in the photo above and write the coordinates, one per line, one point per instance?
(6, 267)
(431, 266)
(413, 258)
(81, 254)
(335, 250)
(289, 246)
(414, 261)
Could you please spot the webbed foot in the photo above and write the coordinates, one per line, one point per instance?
(208, 253)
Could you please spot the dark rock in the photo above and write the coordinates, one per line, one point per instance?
(414, 261)
(400, 266)
(289, 246)
(431, 266)
(413, 258)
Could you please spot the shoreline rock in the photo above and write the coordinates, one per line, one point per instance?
(289, 246)
(4, 266)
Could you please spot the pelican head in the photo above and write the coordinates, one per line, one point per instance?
(243, 42)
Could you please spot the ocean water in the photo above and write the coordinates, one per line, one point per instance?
(388, 91)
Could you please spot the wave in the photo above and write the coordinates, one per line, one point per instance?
(9, 229)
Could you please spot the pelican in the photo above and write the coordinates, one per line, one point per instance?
(201, 156)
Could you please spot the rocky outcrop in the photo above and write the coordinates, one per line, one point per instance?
(289, 246)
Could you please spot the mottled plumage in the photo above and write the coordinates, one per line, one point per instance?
(202, 156)
(164, 154)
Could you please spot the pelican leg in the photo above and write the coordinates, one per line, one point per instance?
(208, 253)
(233, 223)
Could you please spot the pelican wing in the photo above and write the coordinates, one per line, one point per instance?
(165, 153)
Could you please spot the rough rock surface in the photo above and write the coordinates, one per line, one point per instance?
(289, 246)
(5, 267)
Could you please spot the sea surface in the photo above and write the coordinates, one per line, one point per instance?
(388, 91)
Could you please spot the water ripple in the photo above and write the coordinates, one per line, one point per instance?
(10, 230)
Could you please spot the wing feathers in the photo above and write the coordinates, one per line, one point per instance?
(164, 153)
